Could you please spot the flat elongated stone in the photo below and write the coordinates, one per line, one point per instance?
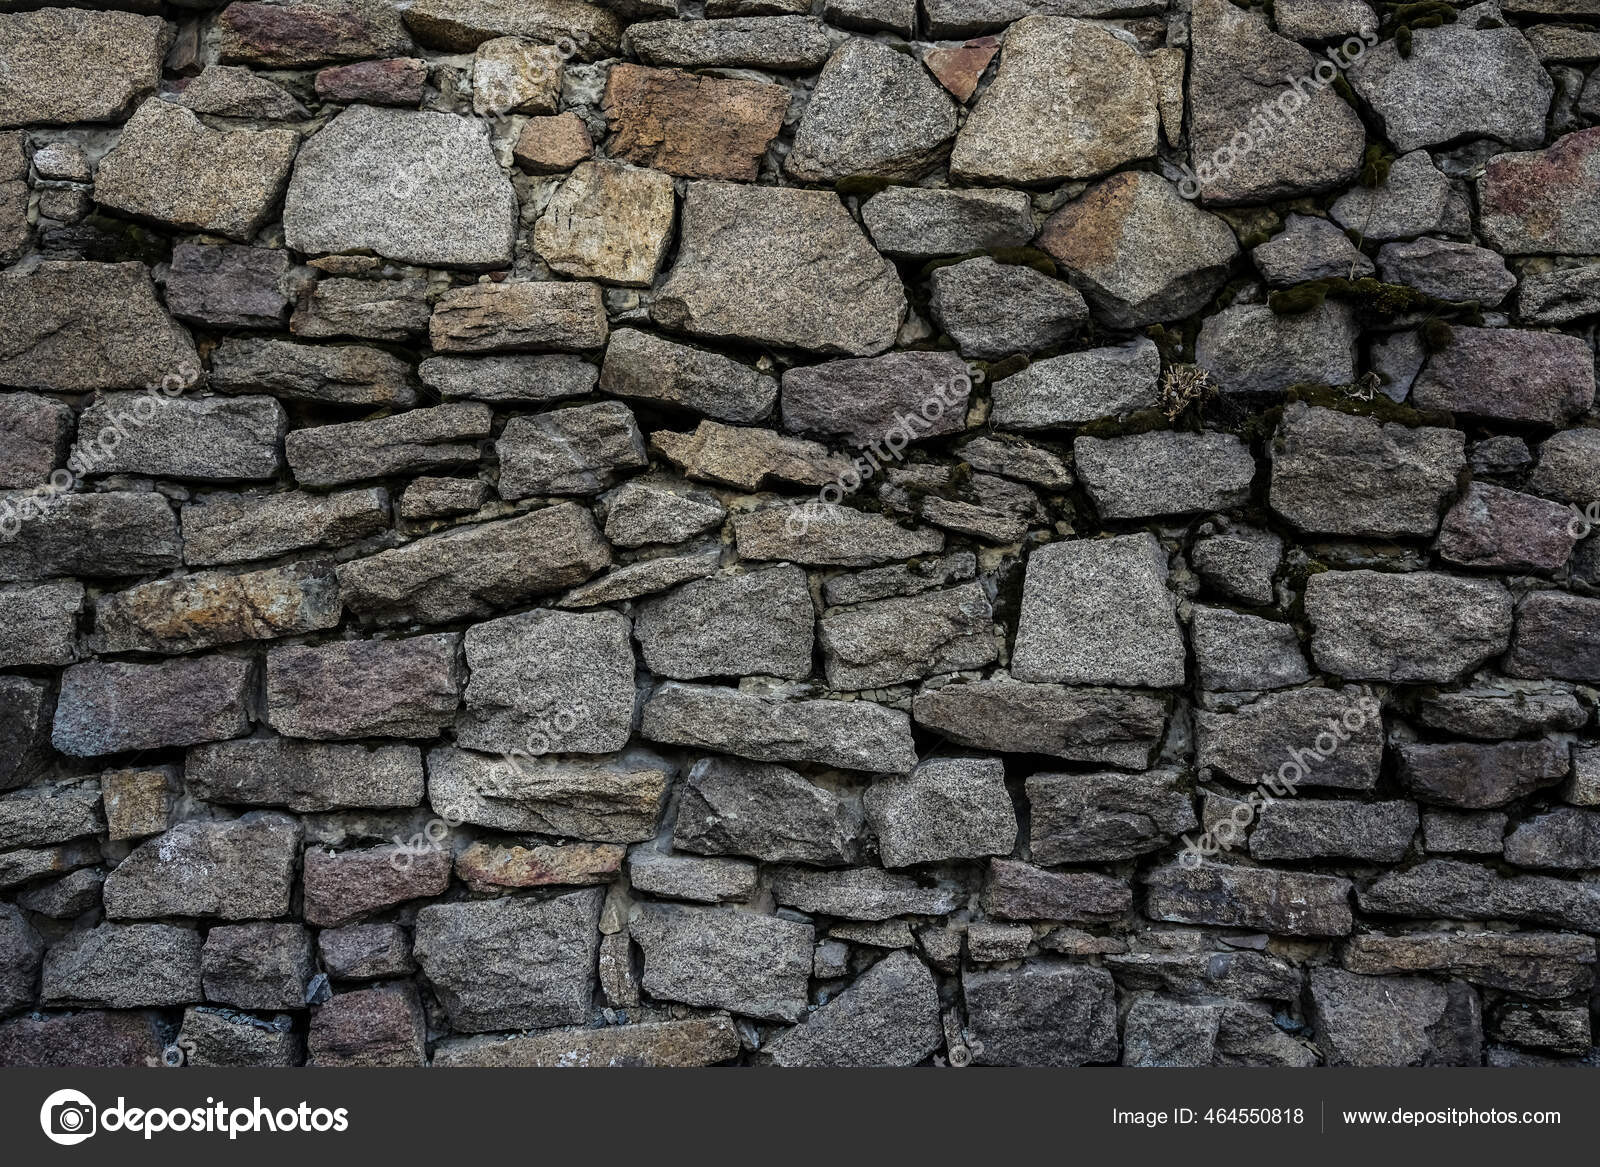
(1163, 472)
(1447, 271)
(1100, 818)
(888, 1017)
(1082, 725)
(232, 91)
(110, 707)
(858, 893)
(365, 182)
(369, 309)
(569, 451)
(691, 1041)
(1418, 626)
(1305, 828)
(855, 735)
(87, 1038)
(325, 374)
(1020, 891)
(124, 966)
(884, 642)
(212, 438)
(352, 885)
(763, 811)
(548, 682)
(560, 315)
(1453, 890)
(364, 688)
(992, 310)
(222, 1037)
(1310, 737)
(745, 458)
(1046, 1013)
(863, 401)
(643, 578)
(65, 65)
(642, 366)
(722, 958)
(462, 25)
(834, 536)
(204, 610)
(678, 877)
(777, 266)
(919, 224)
(422, 439)
(111, 534)
(396, 81)
(1557, 635)
(1075, 388)
(1497, 709)
(485, 867)
(1506, 374)
(1337, 473)
(1099, 612)
(946, 808)
(241, 869)
(609, 800)
(233, 528)
(299, 33)
(73, 327)
(1394, 1021)
(304, 776)
(167, 166)
(1286, 903)
(684, 634)
(37, 815)
(476, 570)
(1566, 839)
(512, 964)
(1531, 964)
(781, 43)
(514, 379)
(659, 510)
(692, 125)
(41, 624)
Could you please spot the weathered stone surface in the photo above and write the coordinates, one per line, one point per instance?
(477, 570)
(854, 735)
(88, 1038)
(239, 869)
(109, 707)
(222, 1037)
(167, 166)
(1305, 828)
(1447, 271)
(1046, 1013)
(1560, 296)
(1498, 528)
(1099, 612)
(1235, 651)
(659, 510)
(946, 808)
(233, 528)
(509, 380)
(1100, 818)
(365, 182)
(881, 643)
(1070, 100)
(382, 1027)
(360, 952)
(513, 75)
(462, 25)
(64, 65)
(679, 877)
(1079, 387)
(1569, 467)
(692, 126)
(1509, 375)
(1531, 964)
(781, 43)
(351, 885)
(548, 682)
(644, 578)
(642, 366)
(1138, 251)
(1343, 474)
(123, 966)
(368, 309)
(308, 32)
(396, 81)
(1239, 563)
(21, 951)
(691, 1041)
(568, 451)
(1164, 1033)
(1497, 709)
(73, 327)
(608, 222)
(19, 867)
(888, 1017)
(779, 266)
(745, 458)
(1252, 349)
(960, 68)
(1162, 472)
(874, 112)
(138, 802)
(919, 223)
(208, 609)
(231, 91)
(866, 401)
(27, 706)
(304, 776)
(182, 437)
(1567, 838)
(549, 145)
(439, 498)
(1082, 725)
(1457, 82)
(609, 800)
(364, 688)
(512, 963)
(858, 893)
(901, 579)
(1286, 903)
(723, 958)
(37, 815)
(1453, 890)
(1198, 970)
(487, 867)
(41, 623)
(763, 811)
(1393, 1021)
(1244, 78)
(684, 634)
(566, 316)
(257, 966)
(34, 433)
(1557, 635)
(992, 309)
(1309, 249)
(1417, 626)
(1018, 891)
(833, 536)
(1414, 199)
(419, 440)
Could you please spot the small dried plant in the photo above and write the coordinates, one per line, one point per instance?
(1183, 386)
(1365, 387)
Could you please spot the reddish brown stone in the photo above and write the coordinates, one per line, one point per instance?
(549, 145)
(92, 1038)
(303, 33)
(397, 81)
(488, 867)
(341, 889)
(958, 69)
(696, 127)
(373, 1027)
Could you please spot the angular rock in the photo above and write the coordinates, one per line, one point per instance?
(512, 963)
(568, 451)
(366, 181)
(853, 735)
(372, 1027)
(405, 443)
(608, 800)
(608, 222)
(1018, 891)
(959, 69)
(946, 808)
(360, 952)
(211, 438)
(110, 707)
(123, 966)
(1199, 971)
(365, 688)
(218, 1037)
(864, 401)
(1239, 563)
(66, 897)
(1505, 374)
(1497, 709)
(1235, 651)
(64, 65)
(678, 877)
(889, 641)
(485, 867)
(644, 578)
(1557, 635)
(833, 536)
(1306, 828)
(1414, 199)
(549, 145)
(1416, 626)
(239, 869)
(475, 571)
(643, 366)
(325, 374)
(33, 440)
(766, 812)
(781, 43)
(1395, 1021)
(992, 310)
(1447, 271)
(228, 286)
(21, 951)
(509, 379)
(396, 81)
(41, 626)
(1285, 903)
(308, 32)
(138, 802)
(900, 580)
(1252, 349)
(1453, 890)
(232, 528)
(1560, 296)
(1076, 388)
(1569, 467)
(304, 776)
(1099, 612)
(351, 885)
(723, 958)
(565, 316)
(512, 75)
(88, 1038)
(779, 266)
(1566, 839)
(690, 125)
(462, 25)
(1162, 472)
(1497, 528)
(442, 498)
(1070, 100)
(745, 457)
(367, 309)
(691, 1041)
(1138, 251)
(888, 1017)
(1531, 964)
(919, 223)
(1106, 726)
(659, 510)
(1103, 818)
(27, 707)
(874, 112)
(37, 815)
(257, 966)
(1309, 249)
(1046, 1013)
(1160, 1033)
(858, 893)
(684, 634)
(548, 682)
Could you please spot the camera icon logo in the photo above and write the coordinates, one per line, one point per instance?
(68, 1117)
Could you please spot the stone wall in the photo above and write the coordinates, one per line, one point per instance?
(1014, 532)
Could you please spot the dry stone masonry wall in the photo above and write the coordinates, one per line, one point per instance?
(1002, 532)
